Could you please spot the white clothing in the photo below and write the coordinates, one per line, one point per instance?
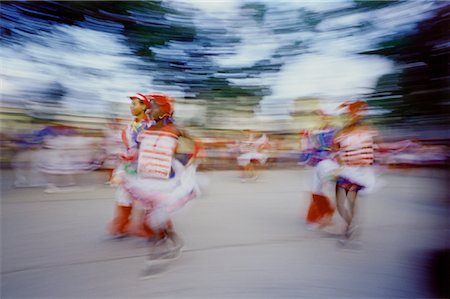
(322, 175)
(251, 150)
(163, 196)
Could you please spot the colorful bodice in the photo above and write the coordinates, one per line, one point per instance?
(157, 149)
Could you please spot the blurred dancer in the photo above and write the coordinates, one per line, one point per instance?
(163, 184)
(28, 151)
(306, 147)
(355, 147)
(321, 209)
(120, 225)
(66, 153)
(251, 153)
(112, 146)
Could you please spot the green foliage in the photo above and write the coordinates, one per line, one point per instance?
(220, 89)
(421, 79)
(374, 4)
(256, 9)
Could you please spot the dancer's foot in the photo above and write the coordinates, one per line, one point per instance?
(172, 254)
(351, 231)
(153, 269)
(115, 237)
(349, 243)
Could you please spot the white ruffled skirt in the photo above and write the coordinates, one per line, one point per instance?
(361, 175)
(245, 159)
(325, 172)
(161, 197)
(322, 176)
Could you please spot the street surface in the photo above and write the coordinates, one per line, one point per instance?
(242, 240)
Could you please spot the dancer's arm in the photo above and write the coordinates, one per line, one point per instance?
(197, 145)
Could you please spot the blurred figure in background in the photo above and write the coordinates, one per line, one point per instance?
(28, 148)
(120, 225)
(65, 154)
(411, 153)
(251, 150)
(321, 209)
(162, 184)
(355, 147)
(113, 146)
(306, 147)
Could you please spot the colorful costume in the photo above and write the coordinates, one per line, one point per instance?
(356, 154)
(321, 209)
(163, 184)
(251, 150)
(128, 168)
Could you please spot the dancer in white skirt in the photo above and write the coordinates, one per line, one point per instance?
(355, 147)
(64, 157)
(252, 152)
(162, 184)
(321, 208)
(121, 225)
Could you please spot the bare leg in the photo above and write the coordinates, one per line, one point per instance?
(250, 170)
(254, 169)
(177, 242)
(341, 199)
(168, 246)
(246, 171)
(351, 196)
(347, 213)
(158, 248)
(352, 199)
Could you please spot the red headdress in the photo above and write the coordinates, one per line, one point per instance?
(164, 101)
(355, 107)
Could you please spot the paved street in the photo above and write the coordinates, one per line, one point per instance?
(242, 240)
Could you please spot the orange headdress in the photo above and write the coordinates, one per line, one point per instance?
(355, 107)
(164, 101)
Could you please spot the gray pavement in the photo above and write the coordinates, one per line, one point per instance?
(242, 240)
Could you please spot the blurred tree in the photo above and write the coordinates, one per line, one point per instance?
(417, 94)
(177, 52)
(53, 94)
(174, 54)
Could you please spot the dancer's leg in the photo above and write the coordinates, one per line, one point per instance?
(341, 199)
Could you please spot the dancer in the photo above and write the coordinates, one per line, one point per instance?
(120, 225)
(306, 147)
(66, 153)
(113, 147)
(163, 184)
(321, 209)
(251, 153)
(355, 147)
